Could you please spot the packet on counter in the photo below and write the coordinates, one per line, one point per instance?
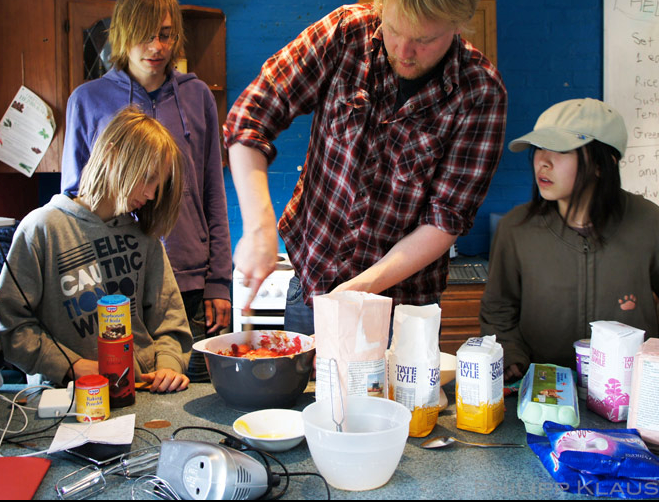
(644, 400)
(413, 360)
(611, 452)
(479, 385)
(548, 392)
(570, 458)
(613, 346)
(352, 334)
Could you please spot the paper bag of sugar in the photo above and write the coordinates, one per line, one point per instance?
(413, 364)
(352, 333)
(613, 346)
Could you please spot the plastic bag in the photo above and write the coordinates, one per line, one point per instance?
(610, 452)
(582, 481)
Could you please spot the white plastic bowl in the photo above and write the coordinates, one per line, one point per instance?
(365, 456)
(271, 430)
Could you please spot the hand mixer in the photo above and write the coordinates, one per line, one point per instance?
(91, 479)
(201, 471)
(187, 469)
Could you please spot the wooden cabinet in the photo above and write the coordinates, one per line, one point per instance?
(460, 306)
(482, 31)
(461, 302)
(43, 42)
(28, 39)
(205, 49)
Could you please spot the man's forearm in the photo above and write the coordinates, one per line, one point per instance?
(249, 170)
(416, 251)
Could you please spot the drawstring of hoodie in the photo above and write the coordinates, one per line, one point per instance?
(130, 91)
(181, 112)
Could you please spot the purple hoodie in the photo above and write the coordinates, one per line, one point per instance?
(199, 247)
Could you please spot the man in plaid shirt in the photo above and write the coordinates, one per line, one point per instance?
(408, 129)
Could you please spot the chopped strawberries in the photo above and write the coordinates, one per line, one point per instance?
(276, 344)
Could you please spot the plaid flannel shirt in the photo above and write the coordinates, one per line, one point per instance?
(372, 174)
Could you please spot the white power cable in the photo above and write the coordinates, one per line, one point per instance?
(20, 408)
(15, 405)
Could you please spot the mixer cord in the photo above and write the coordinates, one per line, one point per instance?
(274, 478)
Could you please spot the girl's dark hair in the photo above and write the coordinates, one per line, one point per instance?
(598, 164)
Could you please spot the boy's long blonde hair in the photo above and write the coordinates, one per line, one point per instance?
(459, 12)
(131, 149)
(134, 21)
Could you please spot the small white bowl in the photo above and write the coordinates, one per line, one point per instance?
(271, 430)
(447, 365)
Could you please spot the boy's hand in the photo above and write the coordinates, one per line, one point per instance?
(166, 380)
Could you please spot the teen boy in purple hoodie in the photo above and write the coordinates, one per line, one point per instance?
(146, 35)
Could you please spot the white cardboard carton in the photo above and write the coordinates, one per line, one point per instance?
(613, 347)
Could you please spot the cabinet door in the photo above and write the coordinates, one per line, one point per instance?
(483, 29)
(88, 20)
(460, 307)
(205, 50)
(28, 41)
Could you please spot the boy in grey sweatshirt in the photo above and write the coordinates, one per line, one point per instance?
(71, 252)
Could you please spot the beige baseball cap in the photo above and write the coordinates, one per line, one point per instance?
(571, 124)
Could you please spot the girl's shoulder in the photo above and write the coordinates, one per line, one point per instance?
(516, 215)
(639, 208)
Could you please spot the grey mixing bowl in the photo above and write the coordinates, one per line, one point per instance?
(248, 385)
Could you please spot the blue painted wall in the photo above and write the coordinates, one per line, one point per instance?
(548, 51)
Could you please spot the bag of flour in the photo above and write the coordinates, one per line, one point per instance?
(352, 333)
(613, 346)
(413, 373)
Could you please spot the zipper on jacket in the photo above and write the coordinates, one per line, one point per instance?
(587, 286)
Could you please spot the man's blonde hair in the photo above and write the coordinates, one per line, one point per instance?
(134, 21)
(131, 149)
(458, 12)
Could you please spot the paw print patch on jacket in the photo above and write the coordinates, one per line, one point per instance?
(628, 302)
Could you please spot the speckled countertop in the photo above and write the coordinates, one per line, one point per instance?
(454, 472)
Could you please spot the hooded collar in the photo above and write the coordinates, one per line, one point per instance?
(169, 87)
(66, 204)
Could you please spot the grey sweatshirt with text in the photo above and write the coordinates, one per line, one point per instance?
(65, 259)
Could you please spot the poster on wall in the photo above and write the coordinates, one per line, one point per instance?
(631, 86)
(26, 131)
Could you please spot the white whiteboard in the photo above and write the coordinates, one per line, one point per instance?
(631, 86)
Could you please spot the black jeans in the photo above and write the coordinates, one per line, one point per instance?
(196, 313)
(298, 317)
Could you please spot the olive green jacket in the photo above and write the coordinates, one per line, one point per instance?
(547, 282)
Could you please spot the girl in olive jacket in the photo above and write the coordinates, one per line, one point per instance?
(582, 250)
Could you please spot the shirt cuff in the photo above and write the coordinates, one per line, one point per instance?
(166, 361)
